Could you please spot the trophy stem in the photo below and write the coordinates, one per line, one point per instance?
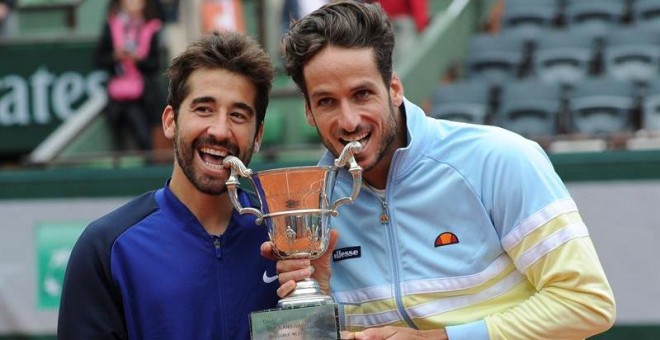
(307, 294)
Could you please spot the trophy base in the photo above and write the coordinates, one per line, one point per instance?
(308, 323)
(305, 314)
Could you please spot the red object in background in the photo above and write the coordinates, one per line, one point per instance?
(222, 15)
(417, 9)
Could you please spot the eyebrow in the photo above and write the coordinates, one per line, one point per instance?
(245, 107)
(208, 99)
(201, 100)
(319, 94)
(363, 85)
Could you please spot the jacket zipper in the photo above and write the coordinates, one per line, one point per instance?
(218, 254)
(384, 216)
(396, 284)
(216, 245)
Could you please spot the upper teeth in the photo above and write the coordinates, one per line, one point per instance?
(356, 139)
(213, 152)
(362, 141)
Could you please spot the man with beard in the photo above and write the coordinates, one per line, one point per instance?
(180, 262)
(461, 231)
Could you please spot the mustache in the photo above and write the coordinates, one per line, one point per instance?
(213, 142)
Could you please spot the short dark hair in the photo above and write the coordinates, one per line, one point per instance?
(344, 24)
(231, 51)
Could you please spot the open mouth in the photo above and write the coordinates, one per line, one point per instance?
(212, 158)
(363, 139)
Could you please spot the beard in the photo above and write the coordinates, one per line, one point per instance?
(185, 154)
(386, 143)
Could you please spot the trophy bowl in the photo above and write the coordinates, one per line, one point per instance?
(296, 206)
(296, 209)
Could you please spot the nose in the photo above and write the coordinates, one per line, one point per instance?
(219, 127)
(349, 120)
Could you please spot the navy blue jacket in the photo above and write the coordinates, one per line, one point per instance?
(149, 270)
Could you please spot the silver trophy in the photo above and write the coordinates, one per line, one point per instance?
(296, 208)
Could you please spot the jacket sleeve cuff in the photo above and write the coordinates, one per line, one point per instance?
(476, 330)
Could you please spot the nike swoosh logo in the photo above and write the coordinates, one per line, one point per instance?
(268, 279)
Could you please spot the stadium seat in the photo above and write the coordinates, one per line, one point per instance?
(466, 101)
(632, 53)
(494, 58)
(602, 106)
(563, 56)
(594, 18)
(529, 17)
(530, 108)
(646, 13)
(651, 106)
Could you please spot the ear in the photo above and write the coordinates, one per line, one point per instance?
(258, 137)
(396, 90)
(169, 124)
(309, 116)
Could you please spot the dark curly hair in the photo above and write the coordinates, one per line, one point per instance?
(344, 24)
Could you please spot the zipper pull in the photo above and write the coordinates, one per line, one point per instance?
(216, 245)
(384, 217)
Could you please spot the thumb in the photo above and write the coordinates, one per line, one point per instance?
(266, 250)
(332, 243)
(321, 265)
(324, 259)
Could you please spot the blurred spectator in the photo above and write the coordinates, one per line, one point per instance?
(222, 15)
(168, 10)
(129, 50)
(409, 18)
(7, 17)
(417, 10)
(296, 9)
(492, 25)
(290, 11)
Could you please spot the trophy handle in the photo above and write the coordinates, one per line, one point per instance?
(239, 169)
(347, 156)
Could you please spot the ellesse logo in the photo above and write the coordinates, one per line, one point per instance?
(346, 253)
(445, 239)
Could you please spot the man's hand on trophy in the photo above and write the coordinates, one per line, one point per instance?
(290, 271)
(393, 333)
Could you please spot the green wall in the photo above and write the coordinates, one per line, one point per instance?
(121, 177)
